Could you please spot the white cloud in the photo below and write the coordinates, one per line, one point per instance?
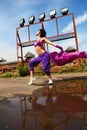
(8, 54)
(82, 36)
(82, 40)
(81, 31)
(79, 20)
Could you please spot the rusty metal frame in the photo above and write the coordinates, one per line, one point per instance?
(57, 37)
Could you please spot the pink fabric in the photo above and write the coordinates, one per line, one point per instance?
(63, 58)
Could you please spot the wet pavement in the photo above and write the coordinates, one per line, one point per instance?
(61, 106)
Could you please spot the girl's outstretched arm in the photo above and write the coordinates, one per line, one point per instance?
(51, 43)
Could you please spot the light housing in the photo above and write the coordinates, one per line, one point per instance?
(21, 22)
(31, 19)
(42, 17)
(64, 11)
(52, 13)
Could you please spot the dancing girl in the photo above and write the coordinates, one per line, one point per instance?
(44, 56)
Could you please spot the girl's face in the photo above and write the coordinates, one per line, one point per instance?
(37, 33)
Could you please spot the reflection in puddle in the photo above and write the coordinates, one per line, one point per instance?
(59, 107)
(10, 117)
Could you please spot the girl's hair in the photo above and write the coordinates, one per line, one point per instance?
(42, 32)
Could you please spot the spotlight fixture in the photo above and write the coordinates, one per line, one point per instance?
(64, 11)
(31, 19)
(42, 17)
(21, 22)
(52, 13)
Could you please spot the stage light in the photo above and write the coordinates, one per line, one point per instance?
(31, 19)
(21, 22)
(52, 13)
(42, 17)
(64, 11)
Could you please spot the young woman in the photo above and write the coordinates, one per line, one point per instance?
(43, 55)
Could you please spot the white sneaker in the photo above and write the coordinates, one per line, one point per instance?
(50, 86)
(50, 81)
(31, 80)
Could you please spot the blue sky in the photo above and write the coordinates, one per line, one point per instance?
(11, 11)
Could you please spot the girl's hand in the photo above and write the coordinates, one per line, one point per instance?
(57, 46)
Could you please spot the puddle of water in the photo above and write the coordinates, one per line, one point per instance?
(63, 107)
(10, 117)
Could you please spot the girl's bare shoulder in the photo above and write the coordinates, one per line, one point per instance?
(43, 39)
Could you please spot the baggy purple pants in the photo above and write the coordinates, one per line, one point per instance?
(44, 59)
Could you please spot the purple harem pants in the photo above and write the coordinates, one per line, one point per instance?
(44, 59)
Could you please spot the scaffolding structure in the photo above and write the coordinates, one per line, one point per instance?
(57, 37)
